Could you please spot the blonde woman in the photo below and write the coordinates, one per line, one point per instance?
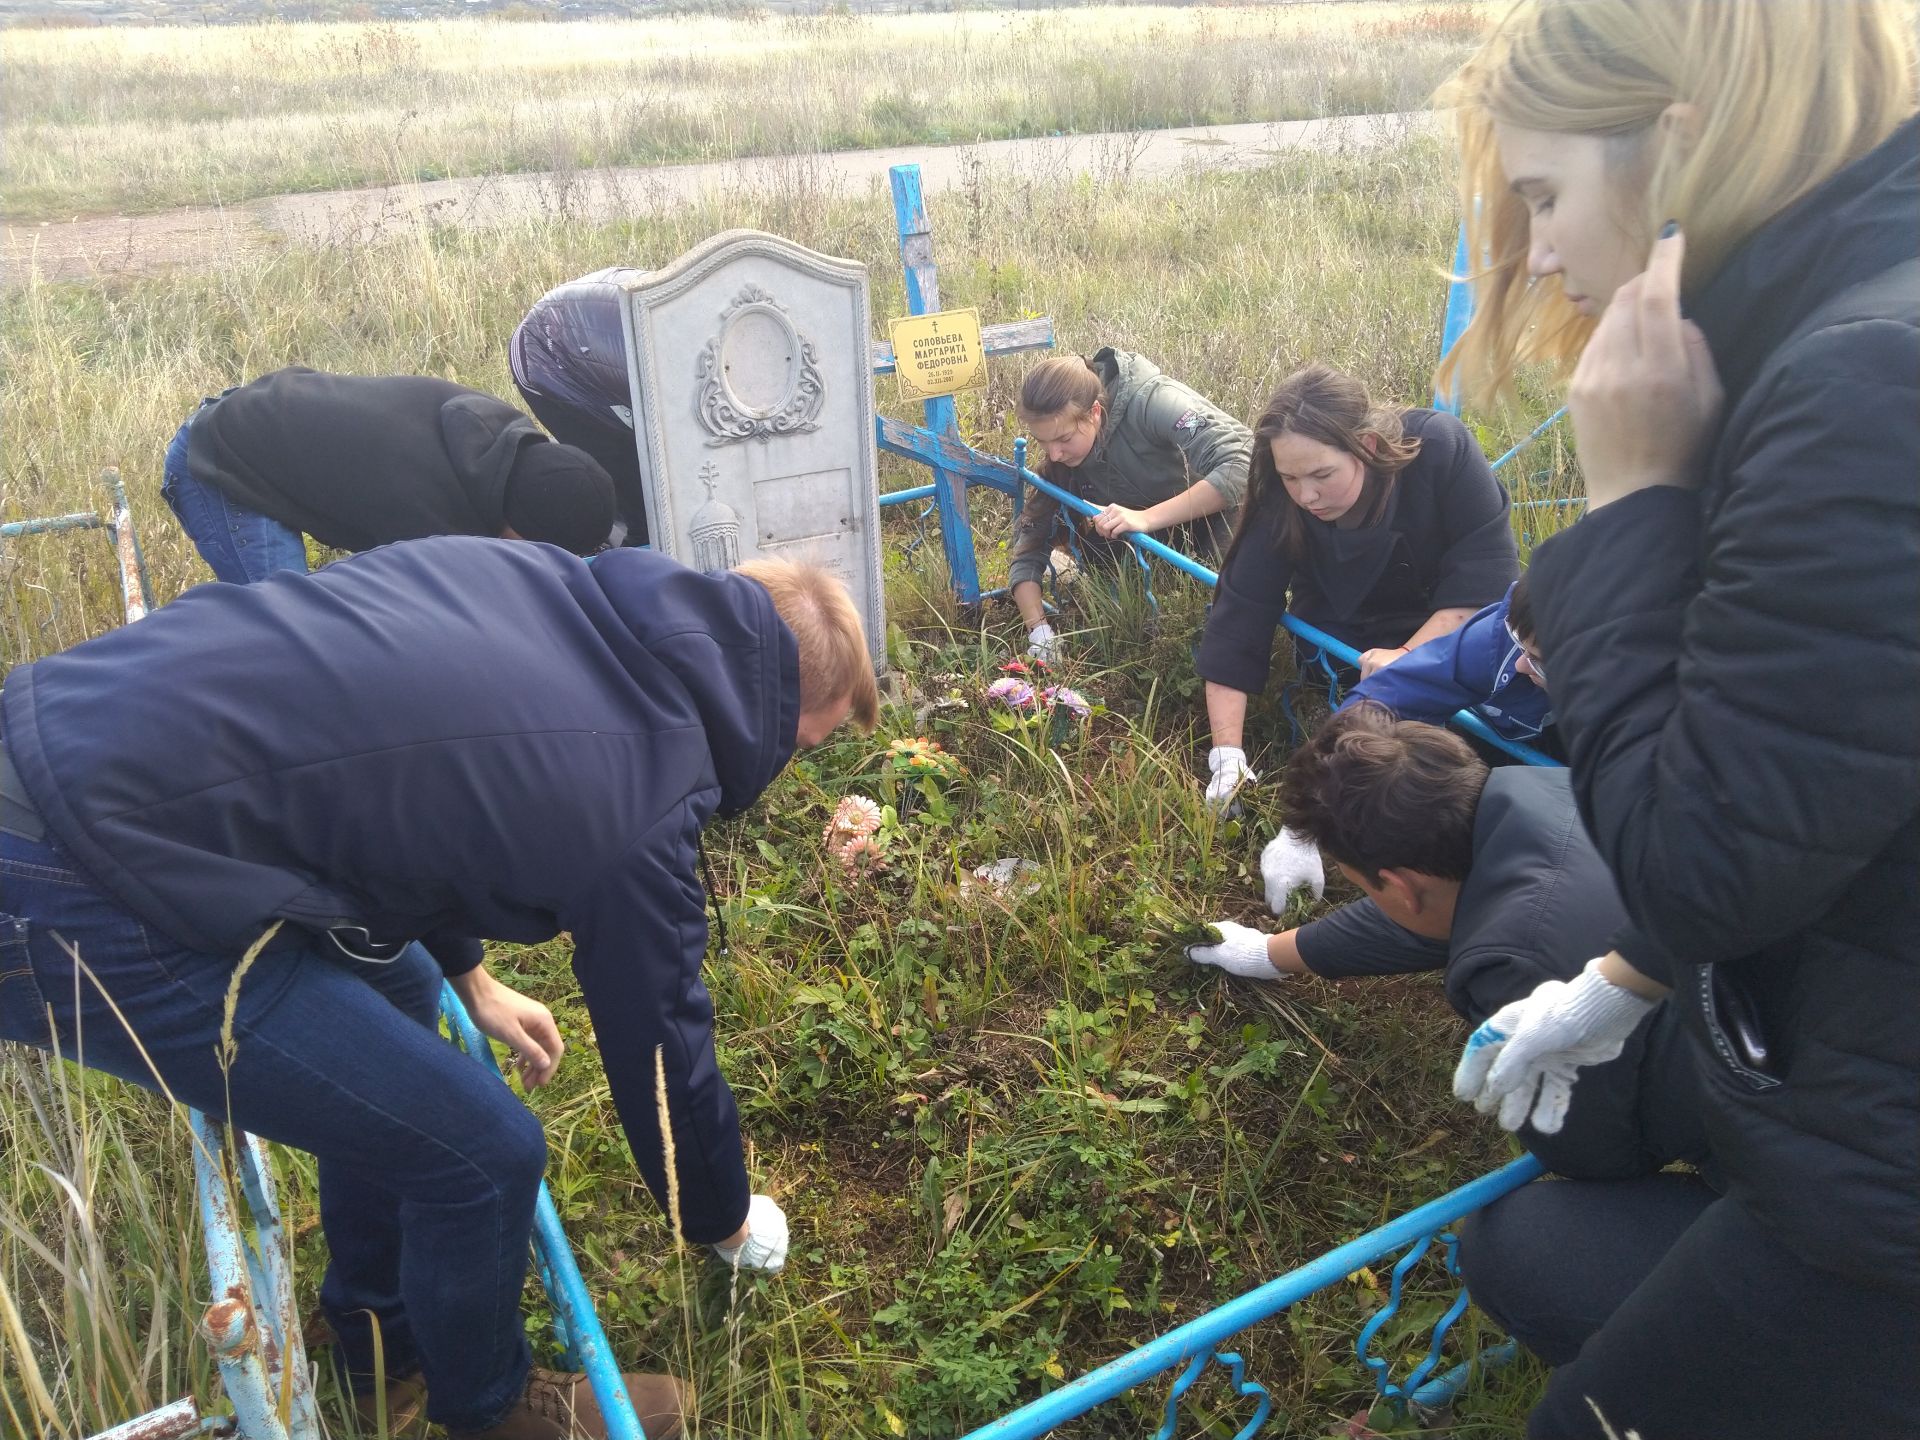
(1715, 209)
(1161, 458)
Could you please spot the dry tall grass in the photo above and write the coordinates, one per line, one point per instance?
(136, 119)
(1227, 281)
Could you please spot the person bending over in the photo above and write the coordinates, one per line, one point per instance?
(1383, 527)
(1489, 877)
(1159, 457)
(445, 740)
(569, 362)
(363, 460)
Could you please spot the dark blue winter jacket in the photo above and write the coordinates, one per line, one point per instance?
(484, 736)
(1471, 668)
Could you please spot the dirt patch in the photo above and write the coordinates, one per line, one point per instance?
(141, 244)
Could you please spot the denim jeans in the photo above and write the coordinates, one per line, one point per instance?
(240, 545)
(428, 1167)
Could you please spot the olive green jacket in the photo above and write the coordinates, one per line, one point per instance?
(1157, 439)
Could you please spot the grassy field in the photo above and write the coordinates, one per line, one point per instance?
(120, 119)
(1014, 1136)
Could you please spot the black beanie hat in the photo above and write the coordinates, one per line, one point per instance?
(559, 494)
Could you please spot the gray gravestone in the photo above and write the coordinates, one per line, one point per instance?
(753, 411)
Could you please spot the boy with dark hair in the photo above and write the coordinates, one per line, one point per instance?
(1487, 875)
(363, 460)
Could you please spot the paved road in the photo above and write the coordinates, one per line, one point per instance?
(109, 245)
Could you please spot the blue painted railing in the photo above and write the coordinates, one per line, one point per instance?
(1193, 1344)
(576, 1325)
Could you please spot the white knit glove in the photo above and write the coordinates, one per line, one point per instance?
(765, 1247)
(1242, 951)
(1290, 861)
(1043, 645)
(1524, 1059)
(1230, 771)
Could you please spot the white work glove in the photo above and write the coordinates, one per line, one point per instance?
(1290, 861)
(765, 1247)
(1229, 766)
(1043, 645)
(1242, 951)
(1523, 1060)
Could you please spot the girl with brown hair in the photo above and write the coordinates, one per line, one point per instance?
(1383, 527)
(1161, 458)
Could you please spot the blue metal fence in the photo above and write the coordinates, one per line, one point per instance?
(1197, 1342)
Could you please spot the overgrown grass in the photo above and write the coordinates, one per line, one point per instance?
(1015, 1136)
(122, 119)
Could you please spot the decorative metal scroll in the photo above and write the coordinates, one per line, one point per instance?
(759, 376)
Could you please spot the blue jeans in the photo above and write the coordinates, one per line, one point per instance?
(428, 1167)
(239, 544)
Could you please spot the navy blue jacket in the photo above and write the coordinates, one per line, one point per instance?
(487, 736)
(1444, 542)
(1471, 668)
(1737, 671)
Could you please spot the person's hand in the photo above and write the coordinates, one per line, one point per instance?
(1523, 1060)
(1290, 861)
(1043, 645)
(1117, 520)
(519, 1022)
(1372, 660)
(1242, 951)
(761, 1243)
(1645, 395)
(1228, 764)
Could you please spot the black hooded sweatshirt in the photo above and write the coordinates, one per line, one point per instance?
(362, 460)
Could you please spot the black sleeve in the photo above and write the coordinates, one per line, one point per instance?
(453, 952)
(1236, 648)
(1480, 559)
(1481, 980)
(1745, 727)
(1359, 939)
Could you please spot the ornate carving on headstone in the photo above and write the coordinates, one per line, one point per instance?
(759, 376)
(793, 375)
(715, 530)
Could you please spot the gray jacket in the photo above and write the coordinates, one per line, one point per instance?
(1159, 437)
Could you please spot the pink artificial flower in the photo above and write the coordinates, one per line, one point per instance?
(856, 815)
(863, 855)
(1072, 699)
(1015, 693)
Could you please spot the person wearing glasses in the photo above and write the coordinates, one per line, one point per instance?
(1491, 665)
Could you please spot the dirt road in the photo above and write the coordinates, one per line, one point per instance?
(78, 249)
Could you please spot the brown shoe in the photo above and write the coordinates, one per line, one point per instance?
(560, 1406)
(406, 1409)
